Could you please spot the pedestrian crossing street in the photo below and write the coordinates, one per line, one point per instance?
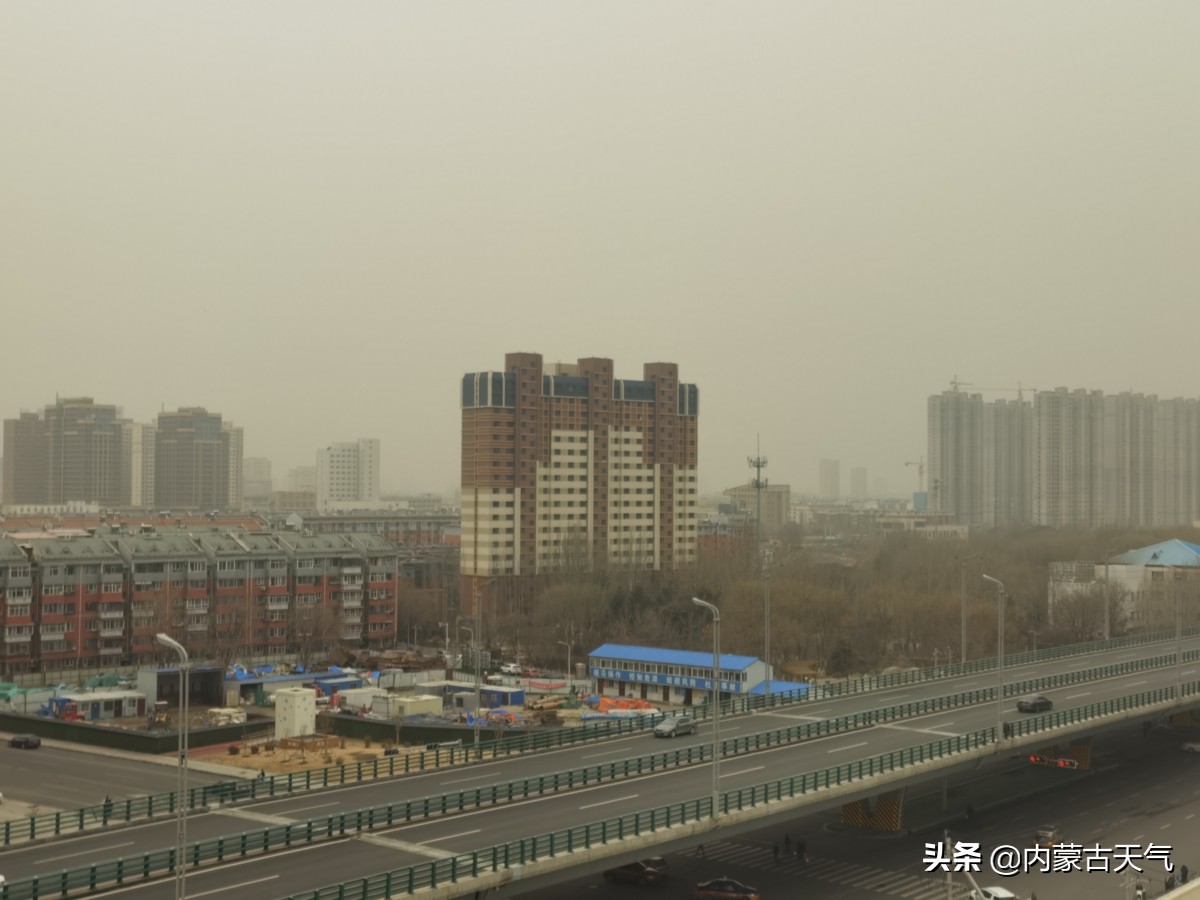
(754, 855)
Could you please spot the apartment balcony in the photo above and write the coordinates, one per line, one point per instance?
(112, 612)
(111, 631)
(352, 618)
(352, 632)
(50, 634)
(197, 606)
(111, 651)
(197, 626)
(278, 602)
(352, 602)
(352, 570)
(17, 638)
(49, 647)
(112, 587)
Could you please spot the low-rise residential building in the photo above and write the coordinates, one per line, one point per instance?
(98, 600)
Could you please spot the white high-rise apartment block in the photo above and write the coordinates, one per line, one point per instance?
(137, 465)
(858, 483)
(1072, 458)
(830, 479)
(348, 475)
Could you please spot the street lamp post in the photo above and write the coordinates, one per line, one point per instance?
(962, 603)
(1108, 555)
(181, 802)
(999, 655)
(568, 646)
(716, 703)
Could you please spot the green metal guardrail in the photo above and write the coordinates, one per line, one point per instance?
(111, 873)
(155, 863)
(526, 851)
(129, 809)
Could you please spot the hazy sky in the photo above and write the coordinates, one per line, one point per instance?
(314, 218)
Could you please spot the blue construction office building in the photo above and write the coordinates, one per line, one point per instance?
(677, 677)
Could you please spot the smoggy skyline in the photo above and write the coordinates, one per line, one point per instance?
(315, 219)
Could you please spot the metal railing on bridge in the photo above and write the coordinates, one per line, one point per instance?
(100, 875)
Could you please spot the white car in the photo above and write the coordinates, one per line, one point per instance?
(510, 669)
(993, 893)
(1191, 748)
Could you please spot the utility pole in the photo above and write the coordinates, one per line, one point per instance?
(758, 463)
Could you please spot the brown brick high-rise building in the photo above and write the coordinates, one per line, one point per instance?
(566, 467)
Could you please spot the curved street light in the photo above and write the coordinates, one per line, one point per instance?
(181, 803)
(716, 702)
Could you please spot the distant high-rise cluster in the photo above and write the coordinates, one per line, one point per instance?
(1069, 458)
(79, 452)
(858, 483)
(565, 465)
(830, 481)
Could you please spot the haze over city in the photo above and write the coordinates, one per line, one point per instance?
(314, 220)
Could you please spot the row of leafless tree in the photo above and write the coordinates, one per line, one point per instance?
(863, 606)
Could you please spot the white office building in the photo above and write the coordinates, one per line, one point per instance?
(348, 475)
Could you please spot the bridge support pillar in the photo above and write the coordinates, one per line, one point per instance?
(885, 814)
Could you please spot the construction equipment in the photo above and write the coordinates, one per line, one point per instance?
(920, 473)
(61, 708)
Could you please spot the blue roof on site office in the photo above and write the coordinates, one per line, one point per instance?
(696, 658)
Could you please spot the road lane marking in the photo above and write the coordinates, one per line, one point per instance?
(318, 806)
(1076, 696)
(742, 772)
(605, 753)
(465, 780)
(51, 859)
(848, 747)
(1135, 683)
(450, 837)
(614, 800)
(922, 730)
(234, 887)
(968, 683)
(220, 867)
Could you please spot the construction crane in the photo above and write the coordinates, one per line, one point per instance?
(1019, 390)
(920, 474)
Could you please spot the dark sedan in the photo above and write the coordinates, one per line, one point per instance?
(644, 872)
(1034, 703)
(725, 889)
(25, 741)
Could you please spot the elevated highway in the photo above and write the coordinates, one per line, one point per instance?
(446, 837)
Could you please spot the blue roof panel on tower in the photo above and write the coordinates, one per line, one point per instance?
(729, 662)
(1168, 553)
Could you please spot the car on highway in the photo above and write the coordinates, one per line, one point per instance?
(992, 893)
(644, 872)
(531, 672)
(725, 889)
(25, 741)
(1034, 703)
(1047, 836)
(510, 669)
(675, 725)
